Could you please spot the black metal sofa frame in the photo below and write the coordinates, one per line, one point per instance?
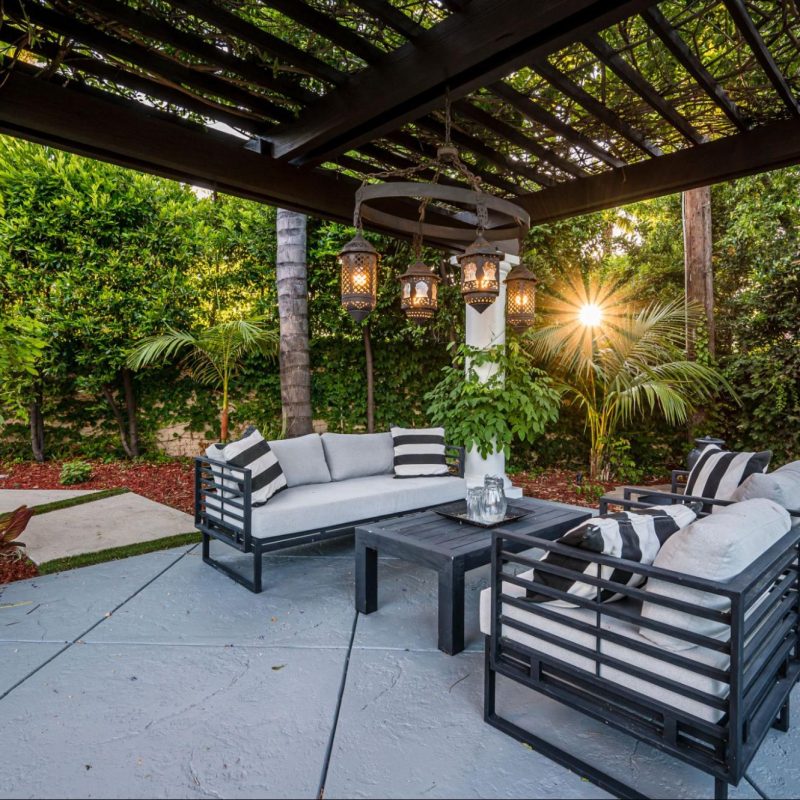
(235, 504)
(763, 651)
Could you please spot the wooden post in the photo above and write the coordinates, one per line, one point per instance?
(697, 248)
(292, 279)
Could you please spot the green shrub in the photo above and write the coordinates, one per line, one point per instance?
(75, 472)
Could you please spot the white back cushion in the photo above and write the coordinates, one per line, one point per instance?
(358, 455)
(717, 547)
(782, 486)
(302, 460)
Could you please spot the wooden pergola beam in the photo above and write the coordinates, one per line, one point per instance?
(639, 84)
(484, 43)
(570, 89)
(161, 30)
(392, 17)
(236, 26)
(129, 80)
(755, 41)
(328, 27)
(23, 11)
(672, 40)
(769, 147)
(515, 136)
(535, 112)
(121, 132)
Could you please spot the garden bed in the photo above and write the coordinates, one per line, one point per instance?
(170, 483)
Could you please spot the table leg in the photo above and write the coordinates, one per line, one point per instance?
(451, 610)
(366, 579)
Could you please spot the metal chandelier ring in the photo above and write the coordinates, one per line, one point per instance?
(510, 222)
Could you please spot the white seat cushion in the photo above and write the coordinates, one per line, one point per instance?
(326, 505)
(650, 663)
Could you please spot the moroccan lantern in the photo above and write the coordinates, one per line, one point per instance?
(359, 262)
(418, 293)
(520, 297)
(480, 274)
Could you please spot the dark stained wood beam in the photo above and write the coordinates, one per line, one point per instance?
(508, 166)
(485, 42)
(120, 131)
(391, 16)
(537, 113)
(639, 84)
(569, 88)
(164, 32)
(114, 129)
(515, 136)
(328, 27)
(23, 11)
(85, 65)
(234, 25)
(672, 40)
(755, 41)
(765, 148)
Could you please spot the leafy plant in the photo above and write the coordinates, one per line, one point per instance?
(516, 402)
(75, 472)
(21, 346)
(12, 525)
(626, 369)
(213, 356)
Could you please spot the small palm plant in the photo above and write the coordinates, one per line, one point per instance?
(11, 527)
(630, 365)
(212, 356)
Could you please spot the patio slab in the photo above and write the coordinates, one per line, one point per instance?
(111, 522)
(14, 498)
(306, 601)
(20, 659)
(61, 607)
(149, 721)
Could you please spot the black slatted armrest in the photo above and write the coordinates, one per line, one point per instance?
(676, 474)
(456, 457)
(228, 515)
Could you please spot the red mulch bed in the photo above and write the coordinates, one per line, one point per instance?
(170, 483)
(559, 485)
(13, 569)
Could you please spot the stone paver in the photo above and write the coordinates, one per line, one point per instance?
(194, 687)
(14, 498)
(100, 525)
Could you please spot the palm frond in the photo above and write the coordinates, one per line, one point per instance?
(160, 349)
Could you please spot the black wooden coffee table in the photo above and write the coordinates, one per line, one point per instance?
(451, 548)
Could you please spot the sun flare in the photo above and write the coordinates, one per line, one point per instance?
(590, 315)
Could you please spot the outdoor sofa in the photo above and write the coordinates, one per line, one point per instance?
(703, 674)
(335, 482)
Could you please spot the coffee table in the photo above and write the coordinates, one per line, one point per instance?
(452, 548)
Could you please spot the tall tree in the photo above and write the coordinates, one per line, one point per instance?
(697, 245)
(292, 280)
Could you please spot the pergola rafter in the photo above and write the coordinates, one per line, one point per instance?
(311, 100)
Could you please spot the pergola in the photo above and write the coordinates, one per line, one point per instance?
(564, 106)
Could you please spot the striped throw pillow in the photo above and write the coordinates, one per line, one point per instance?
(632, 535)
(718, 473)
(251, 452)
(419, 452)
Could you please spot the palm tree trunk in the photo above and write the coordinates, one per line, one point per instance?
(292, 279)
(370, 380)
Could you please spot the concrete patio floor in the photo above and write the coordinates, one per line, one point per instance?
(156, 676)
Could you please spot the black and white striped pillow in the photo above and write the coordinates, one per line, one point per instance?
(632, 535)
(718, 473)
(251, 452)
(419, 452)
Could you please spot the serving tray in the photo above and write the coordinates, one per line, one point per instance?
(458, 512)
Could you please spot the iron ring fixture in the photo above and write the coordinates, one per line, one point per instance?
(510, 220)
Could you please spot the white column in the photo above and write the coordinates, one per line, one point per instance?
(484, 331)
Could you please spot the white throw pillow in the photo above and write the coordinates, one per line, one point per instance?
(782, 486)
(717, 547)
(419, 452)
(717, 473)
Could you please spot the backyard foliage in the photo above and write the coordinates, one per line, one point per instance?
(95, 258)
(12, 525)
(517, 402)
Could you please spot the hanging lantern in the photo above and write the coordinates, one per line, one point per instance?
(359, 260)
(480, 274)
(520, 297)
(418, 293)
